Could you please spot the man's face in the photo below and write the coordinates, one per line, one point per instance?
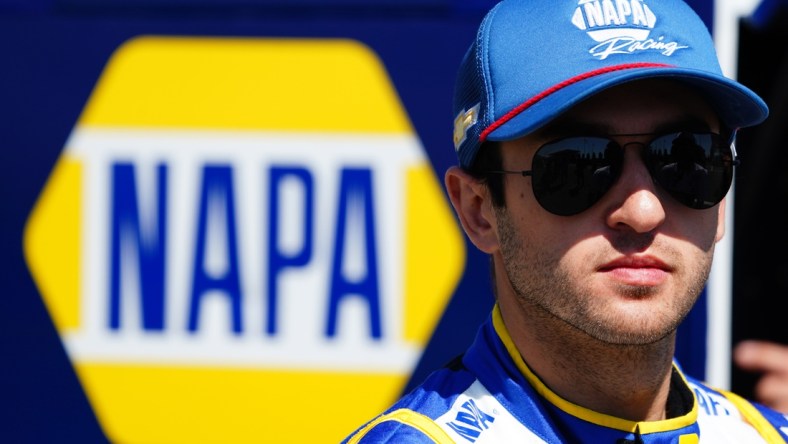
(627, 270)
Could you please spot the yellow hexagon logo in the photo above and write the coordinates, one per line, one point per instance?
(243, 240)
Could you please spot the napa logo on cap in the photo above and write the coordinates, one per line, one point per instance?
(243, 240)
(620, 27)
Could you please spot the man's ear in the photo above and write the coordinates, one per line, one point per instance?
(720, 221)
(472, 203)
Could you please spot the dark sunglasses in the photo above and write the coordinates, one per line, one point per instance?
(570, 175)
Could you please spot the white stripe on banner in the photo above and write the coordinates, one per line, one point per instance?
(718, 343)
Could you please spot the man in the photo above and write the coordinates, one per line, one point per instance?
(566, 113)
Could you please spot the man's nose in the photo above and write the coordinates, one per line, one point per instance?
(634, 199)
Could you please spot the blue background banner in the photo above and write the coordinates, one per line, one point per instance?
(53, 54)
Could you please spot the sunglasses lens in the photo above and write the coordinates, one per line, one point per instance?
(695, 168)
(571, 175)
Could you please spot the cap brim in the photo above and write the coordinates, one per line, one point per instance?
(736, 105)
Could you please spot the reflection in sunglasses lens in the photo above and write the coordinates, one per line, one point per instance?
(571, 175)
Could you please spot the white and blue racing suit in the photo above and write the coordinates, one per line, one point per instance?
(489, 395)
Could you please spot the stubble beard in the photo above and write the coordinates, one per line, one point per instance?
(556, 297)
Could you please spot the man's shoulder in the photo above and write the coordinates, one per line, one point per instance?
(470, 415)
(399, 425)
(412, 418)
(725, 411)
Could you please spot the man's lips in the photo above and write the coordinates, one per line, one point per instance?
(637, 270)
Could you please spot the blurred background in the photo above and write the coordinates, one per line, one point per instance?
(224, 220)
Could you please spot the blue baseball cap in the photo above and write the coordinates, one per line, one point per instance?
(532, 60)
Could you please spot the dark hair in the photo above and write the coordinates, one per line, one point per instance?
(488, 158)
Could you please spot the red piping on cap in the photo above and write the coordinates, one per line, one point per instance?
(523, 106)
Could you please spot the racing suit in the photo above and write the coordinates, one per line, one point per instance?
(489, 395)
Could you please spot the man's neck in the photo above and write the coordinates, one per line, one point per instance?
(629, 382)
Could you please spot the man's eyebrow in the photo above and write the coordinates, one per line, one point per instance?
(568, 127)
(687, 123)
